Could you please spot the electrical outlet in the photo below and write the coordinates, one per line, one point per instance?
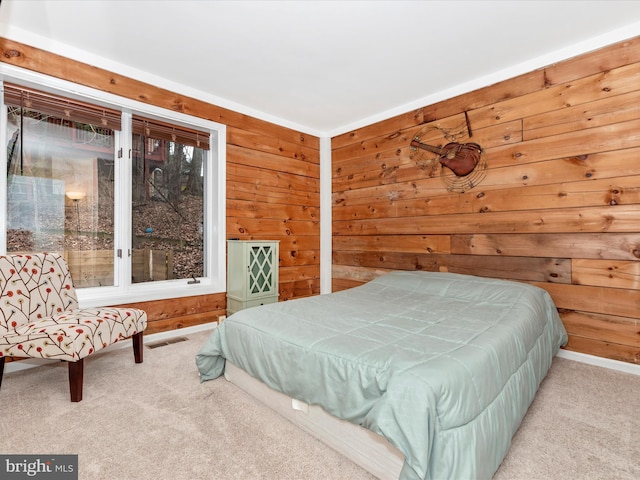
(221, 319)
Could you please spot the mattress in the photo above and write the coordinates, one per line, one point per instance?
(443, 366)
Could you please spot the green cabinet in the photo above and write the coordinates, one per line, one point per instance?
(252, 273)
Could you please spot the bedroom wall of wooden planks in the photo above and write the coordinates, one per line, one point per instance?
(273, 186)
(559, 206)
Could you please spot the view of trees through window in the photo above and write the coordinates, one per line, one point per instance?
(61, 191)
(168, 208)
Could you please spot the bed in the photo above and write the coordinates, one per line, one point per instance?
(441, 366)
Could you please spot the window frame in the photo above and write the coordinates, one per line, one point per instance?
(124, 291)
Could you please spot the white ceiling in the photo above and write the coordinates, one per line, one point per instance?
(322, 67)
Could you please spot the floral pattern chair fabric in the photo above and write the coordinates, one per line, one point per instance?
(40, 317)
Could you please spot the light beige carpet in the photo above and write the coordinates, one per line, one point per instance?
(157, 421)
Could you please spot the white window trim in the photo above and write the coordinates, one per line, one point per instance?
(215, 218)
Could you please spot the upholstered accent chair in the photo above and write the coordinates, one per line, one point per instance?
(40, 317)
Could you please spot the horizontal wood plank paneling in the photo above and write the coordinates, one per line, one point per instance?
(622, 352)
(273, 193)
(615, 246)
(607, 328)
(619, 108)
(393, 243)
(273, 187)
(558, 206)
(586, 298)
(606, 273)
(171, 314)
(274, 144)
(515, 268)
(578, 193)
(621, 218)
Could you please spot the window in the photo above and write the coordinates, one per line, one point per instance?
(132, 196)
(60, 189)
(167, 201)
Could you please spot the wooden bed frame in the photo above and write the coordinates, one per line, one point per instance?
(363, 447)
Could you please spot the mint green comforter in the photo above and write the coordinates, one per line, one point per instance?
(444, 366)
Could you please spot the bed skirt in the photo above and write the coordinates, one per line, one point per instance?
(363, 447)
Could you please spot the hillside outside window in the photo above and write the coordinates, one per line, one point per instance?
(167, 201)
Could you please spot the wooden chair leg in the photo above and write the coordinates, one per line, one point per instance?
(2, 359)
(76, 370)
(137, 347)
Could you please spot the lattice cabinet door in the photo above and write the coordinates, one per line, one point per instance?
(252, 274)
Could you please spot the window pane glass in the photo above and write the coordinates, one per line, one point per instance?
(167, 208)
(60, 191)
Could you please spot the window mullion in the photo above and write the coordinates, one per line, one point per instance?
(123, 203)
(3, 178)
